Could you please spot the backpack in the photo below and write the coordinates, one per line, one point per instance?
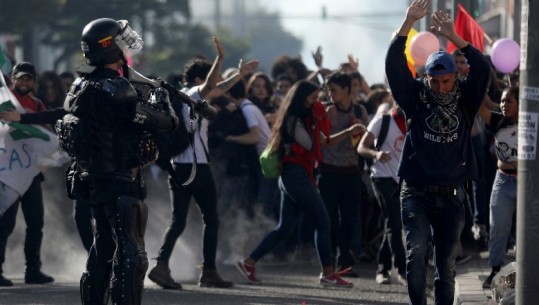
(176, 142)
(383, 131)
(358, 112)
(243, 158)
(271, 163)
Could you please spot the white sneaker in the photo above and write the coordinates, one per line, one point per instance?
(383, 278)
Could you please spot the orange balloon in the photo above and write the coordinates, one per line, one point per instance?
(411, 66)
(408, 50)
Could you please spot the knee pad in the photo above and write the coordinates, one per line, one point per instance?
(132, 215)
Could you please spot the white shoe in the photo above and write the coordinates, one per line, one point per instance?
(383, 278)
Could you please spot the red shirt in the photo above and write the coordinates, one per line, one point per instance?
(29, 103)
(309, 158)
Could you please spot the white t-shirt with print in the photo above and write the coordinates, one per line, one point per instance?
(393, 143)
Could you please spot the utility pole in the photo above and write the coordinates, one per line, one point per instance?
(527, 280)
(517, 19)
(217, 14)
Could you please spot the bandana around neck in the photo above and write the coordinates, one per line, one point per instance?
(443, 105)
(441, 98)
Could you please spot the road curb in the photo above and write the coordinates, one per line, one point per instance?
(468, 283)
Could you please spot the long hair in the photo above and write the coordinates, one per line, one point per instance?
(293, 105)
(251, 84)
(51, 78)
(512, 91)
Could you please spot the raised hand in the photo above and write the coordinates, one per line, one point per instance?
(218, 47)
(442, 24)
(417, 10)
(353, 62)
(248, 67)
(317, 56)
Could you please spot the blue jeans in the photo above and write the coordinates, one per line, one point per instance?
(442, 215)
(298, 195)
(268, 195)
(503, 203)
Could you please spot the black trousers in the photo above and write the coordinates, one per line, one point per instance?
(203, 190)
(392, 241)
(82, 213)
(114, 253)
(342, 196)
(32, 208)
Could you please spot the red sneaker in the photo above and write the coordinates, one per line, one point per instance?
(248, 272)
(334, 280)
(347, 272)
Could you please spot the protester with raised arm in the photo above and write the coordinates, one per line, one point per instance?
(438, 159)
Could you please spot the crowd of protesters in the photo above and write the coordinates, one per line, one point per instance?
(341, 140)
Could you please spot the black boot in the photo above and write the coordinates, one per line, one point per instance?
(488, 281)
(210, 278)
(4, 282)
(33, 276)
(160, 274)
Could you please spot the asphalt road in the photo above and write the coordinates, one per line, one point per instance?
(64, 258)
(292, 284)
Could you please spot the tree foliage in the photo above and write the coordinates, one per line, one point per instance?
(163, 23)
(19, 16)
(146, 16)
(269, 40)
(171, 38)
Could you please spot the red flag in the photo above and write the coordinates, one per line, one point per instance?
(468, 29)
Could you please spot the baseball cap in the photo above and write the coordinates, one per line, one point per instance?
(23, 68)
(439, 63)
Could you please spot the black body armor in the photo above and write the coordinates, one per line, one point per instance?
(107, 121)
(109, 132)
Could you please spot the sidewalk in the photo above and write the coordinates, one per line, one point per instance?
(470, 276)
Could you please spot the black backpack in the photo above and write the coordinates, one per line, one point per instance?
(383, 131)
(176, 142)
(242, 159)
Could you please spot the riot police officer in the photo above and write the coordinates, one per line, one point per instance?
(107, 131)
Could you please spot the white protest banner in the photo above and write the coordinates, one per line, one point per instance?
(24, 148)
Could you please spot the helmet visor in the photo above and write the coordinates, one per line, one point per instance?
(128, 39)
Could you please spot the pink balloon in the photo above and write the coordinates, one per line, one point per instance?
(505, 55)
(422, 45)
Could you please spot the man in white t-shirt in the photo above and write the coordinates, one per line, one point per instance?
(258, 134)
(259, 130)
(202, 80)
(386, 156)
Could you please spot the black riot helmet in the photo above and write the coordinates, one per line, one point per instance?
(105, 40)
